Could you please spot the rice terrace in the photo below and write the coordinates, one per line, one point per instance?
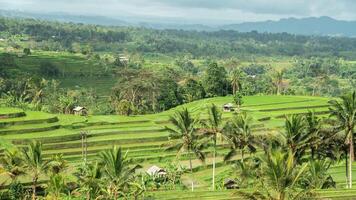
(166, 100)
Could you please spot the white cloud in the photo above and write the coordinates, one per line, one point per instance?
(193, 10)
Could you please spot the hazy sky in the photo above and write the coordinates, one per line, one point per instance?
(193, 10)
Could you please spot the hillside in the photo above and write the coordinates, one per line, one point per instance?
(143, 137)
(304, 26)
(321, 26)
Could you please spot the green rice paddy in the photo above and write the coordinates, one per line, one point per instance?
(144, 136)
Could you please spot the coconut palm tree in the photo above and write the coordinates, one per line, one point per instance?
(236, 79)
(117, 172)
(313, 123)
(214, 131)
(34, 162)
(245, 172)
(12, 164)
(296, 135)
(279, 177)
(345, 112)
(185, 137)
(278, 80)
(239, 134)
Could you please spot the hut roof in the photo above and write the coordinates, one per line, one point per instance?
(228, 105)
(78, 108)
(229, 181)
(156, 170)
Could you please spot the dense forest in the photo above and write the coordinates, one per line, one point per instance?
(220, 44)
(155, 70)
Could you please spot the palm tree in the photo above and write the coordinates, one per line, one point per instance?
(317, 175)
(185, 137)
(90, 180)
(313, 123)
(236, 79)
(34, 162)
(278, 80)
(296, 135)
(239, 134)
(345, 113)
(213, 130)
(117, 172)
(56, 187)
(279, 179)
(12, 164)
(245, 172)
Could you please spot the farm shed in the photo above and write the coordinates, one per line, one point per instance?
(79, 110)
(155, 170)
(228, 107)
(231, 184)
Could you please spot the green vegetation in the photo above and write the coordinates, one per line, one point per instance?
(145, 138)
(95, 112)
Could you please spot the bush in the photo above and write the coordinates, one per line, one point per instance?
(27, 51)
(49, 69)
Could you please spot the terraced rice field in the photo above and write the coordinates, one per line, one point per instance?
(144, 136)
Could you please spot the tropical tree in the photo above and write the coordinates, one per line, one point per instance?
(239, 134)
(317, 175)
(238, 100)
(184, 137)
(313, 128)
(213, 129)
(34, 163)
(279, 177)
(345, 113)
(56, 187)
(278, 80)
(57, 184)
(245, 172)
(215, 80)
(236, 80)
(296, 136)
(90, 180)
(12, 164)
(117, 172)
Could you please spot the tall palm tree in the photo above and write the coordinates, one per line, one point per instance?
(236, 79)
(278, 80)
(239, 134)
(345, 113)
(296, 135)
(313, 123)
(117, 171)
(34, 162)
(185, 137)
(214, 131)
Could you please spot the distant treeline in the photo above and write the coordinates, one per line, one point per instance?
(57, 36)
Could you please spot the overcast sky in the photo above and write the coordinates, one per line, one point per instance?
(204, 11)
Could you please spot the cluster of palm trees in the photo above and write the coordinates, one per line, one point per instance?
(289, 163)
(112, 177)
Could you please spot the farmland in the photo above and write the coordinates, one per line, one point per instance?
(143, 137)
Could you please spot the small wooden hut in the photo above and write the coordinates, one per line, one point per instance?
(79, 110)
(228, 107)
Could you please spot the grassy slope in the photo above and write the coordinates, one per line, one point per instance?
(143, 136)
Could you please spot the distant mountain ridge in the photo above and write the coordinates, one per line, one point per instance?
(304, 26)
(321, 26)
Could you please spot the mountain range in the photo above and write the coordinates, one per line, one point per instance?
(321, 26)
